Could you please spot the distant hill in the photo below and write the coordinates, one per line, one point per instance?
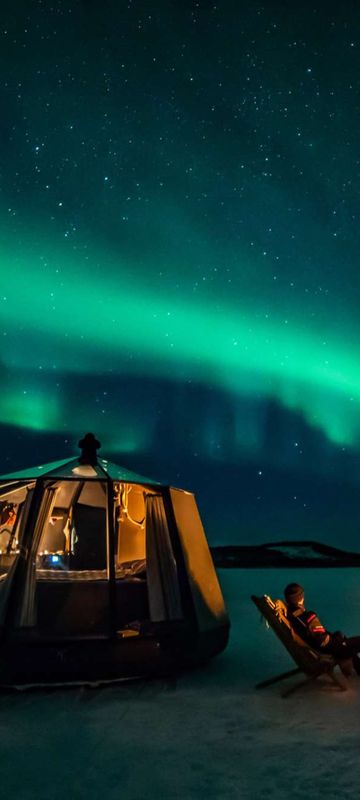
(284, 554)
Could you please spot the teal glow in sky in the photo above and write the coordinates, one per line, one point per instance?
(75, 318)
(179, 227)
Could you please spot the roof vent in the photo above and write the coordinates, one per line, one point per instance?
(89, 445)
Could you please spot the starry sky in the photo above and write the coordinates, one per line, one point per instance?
(179, 228)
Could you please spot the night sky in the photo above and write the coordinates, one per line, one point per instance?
(180, 251)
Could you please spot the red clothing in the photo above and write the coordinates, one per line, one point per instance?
(308, 626)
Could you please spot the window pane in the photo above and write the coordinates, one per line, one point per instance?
(15, 500)
(66, 589)
(130, 545)
(12, 508)
(73, 538)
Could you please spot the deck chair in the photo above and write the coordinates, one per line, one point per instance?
(308, 660)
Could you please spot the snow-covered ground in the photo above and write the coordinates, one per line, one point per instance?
(209, 736)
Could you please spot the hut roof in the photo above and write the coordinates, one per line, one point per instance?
(75, 468)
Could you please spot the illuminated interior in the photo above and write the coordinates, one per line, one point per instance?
(130, 519)
(74, 534)
(67, 570)
(14, 503)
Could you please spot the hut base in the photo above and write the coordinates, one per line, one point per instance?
(94, 662)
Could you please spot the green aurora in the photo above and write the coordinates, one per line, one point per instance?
(76, 316)
(179, 251)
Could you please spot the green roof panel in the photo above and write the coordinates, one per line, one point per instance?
(35, 472)
(73, 468)
(117, 473)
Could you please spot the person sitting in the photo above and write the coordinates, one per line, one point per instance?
(308, 626)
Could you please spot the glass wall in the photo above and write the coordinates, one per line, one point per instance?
(130, 544)
(66, 591)
(73, 536)
(15, 499)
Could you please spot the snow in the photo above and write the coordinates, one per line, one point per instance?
(210, 734)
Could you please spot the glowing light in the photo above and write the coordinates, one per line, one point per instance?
(100, 320)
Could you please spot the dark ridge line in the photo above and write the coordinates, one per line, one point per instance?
(267, 555)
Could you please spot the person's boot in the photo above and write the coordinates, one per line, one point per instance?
(347, 667)
(356, 663)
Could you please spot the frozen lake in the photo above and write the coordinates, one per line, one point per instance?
(210, 734)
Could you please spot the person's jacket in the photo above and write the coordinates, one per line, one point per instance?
(308, 626)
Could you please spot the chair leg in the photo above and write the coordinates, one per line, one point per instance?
(277, 678)
(299, 685)
(332, 675)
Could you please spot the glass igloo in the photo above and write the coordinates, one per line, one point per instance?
(104, 575)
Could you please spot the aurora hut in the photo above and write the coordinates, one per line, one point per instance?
(104, 575)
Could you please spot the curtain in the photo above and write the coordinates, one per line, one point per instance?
(161, 569)
(28, 608)
(6, 583)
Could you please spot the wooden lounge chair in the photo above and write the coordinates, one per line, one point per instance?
(308, 660)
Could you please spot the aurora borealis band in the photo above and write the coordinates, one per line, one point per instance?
(179, 243)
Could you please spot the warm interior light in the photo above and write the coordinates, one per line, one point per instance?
(85, 469)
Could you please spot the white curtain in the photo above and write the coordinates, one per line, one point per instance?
(28, 608)
(161, 569)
